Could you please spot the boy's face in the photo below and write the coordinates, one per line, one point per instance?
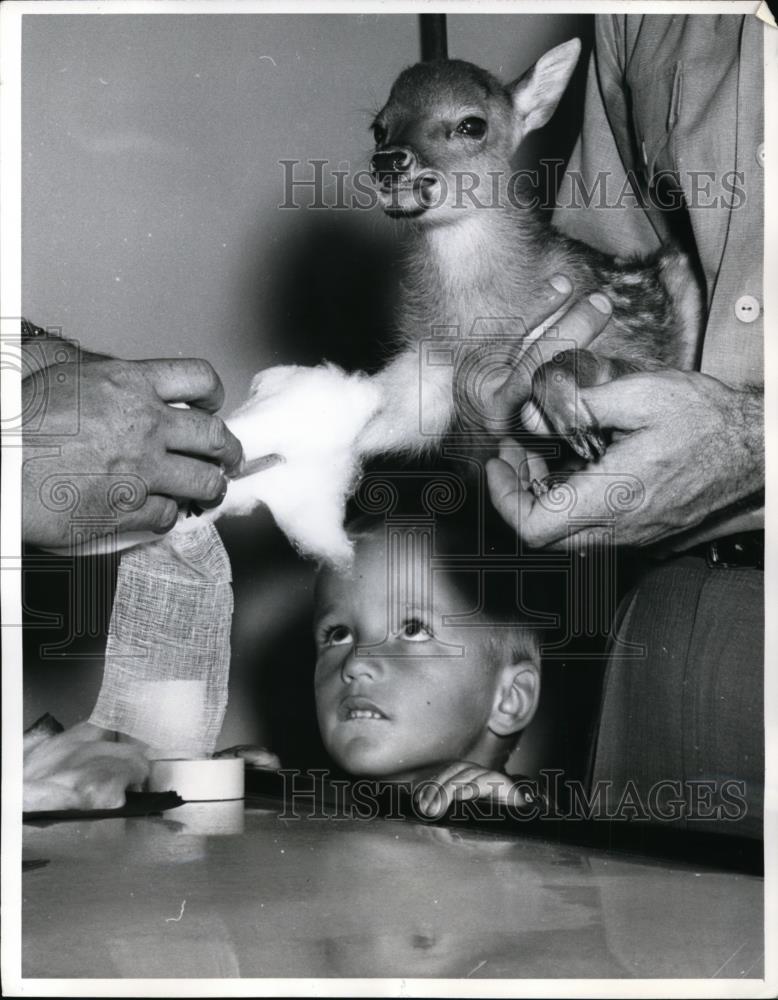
(398, 692)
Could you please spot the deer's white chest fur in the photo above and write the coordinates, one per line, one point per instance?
(460, 278)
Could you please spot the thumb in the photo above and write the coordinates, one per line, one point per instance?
(623, 404)
(504, 490)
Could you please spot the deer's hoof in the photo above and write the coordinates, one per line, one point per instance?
(587, 442)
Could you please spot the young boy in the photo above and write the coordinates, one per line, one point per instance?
(419, 676)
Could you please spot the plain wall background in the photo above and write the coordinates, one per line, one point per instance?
(151, 166)
(151, 227)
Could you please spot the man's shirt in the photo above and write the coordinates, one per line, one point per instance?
(675, 107)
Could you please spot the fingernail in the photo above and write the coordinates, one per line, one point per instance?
(601, 302)
(562, 283)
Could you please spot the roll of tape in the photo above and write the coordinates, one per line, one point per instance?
(199, 780)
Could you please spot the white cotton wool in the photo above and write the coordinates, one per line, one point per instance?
(314, 418)
(311, 417)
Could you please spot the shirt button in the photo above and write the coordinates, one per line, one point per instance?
(747, 309)
(760, 154)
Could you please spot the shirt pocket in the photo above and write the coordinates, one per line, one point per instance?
(656, 108)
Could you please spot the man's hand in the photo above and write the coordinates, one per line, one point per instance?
(463, 780)
(493, 379)
(685, 446)
(107, 447)
(80, 769)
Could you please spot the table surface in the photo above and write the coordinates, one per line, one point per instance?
(260, 896)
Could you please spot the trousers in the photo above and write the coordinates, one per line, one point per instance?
(683, 700)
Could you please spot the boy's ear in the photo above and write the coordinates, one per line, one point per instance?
(536, 94)
(516, 698)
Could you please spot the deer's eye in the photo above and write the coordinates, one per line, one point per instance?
(379, 134)
(473, 128)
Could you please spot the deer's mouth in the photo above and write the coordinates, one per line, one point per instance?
(404, 213)
(403, 196)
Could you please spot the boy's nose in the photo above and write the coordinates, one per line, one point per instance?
(355, 667)
(390, 162)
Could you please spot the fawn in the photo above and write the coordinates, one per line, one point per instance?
(447, 128)
(476, 269)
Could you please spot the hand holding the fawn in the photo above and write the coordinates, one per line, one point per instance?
(554, 326)
(684, 447)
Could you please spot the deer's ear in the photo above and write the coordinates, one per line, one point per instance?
(536, 94)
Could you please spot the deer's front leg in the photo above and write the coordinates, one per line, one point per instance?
(556, 392)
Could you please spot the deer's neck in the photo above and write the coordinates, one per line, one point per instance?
(479, 269)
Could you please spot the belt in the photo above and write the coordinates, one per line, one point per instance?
(732, 551)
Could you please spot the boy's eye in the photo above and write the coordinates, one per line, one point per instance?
(414, 630)
(336, 635)
(379, 134)
(473, 128)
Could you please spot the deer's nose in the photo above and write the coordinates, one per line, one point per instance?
(389, 162)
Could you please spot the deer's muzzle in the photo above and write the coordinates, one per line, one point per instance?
(392, 165)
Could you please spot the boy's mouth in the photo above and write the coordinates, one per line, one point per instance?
(355, 707)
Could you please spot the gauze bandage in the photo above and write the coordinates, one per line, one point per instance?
(168, 652)
(167, 658)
